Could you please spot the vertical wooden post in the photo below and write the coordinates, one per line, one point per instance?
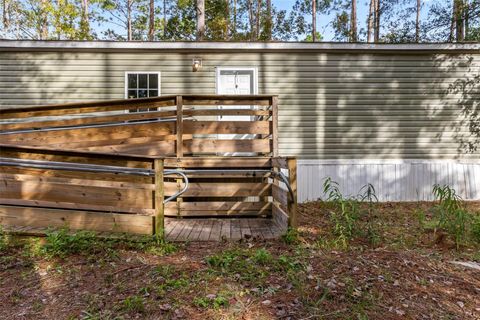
(292, 203)
(275, 126)
(179, 126)
(158, 198)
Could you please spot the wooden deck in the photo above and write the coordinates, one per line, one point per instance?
(199, 229)
(212, 229)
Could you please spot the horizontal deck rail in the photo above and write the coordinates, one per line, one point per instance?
(186, 125)
(114, 161)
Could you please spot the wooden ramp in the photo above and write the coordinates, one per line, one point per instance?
(147, 166)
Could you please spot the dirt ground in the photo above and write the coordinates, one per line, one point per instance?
(400, 269)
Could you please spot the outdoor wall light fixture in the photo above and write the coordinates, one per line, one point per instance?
(196, 64)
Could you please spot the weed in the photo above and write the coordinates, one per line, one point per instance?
(291, 236)
(60, 243)
(476, 228)
(451, 215)
(211, 301)
(3, 240)
(347, 214)
(262, 256)
(133, 304)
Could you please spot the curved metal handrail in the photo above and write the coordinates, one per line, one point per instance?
(179, 193)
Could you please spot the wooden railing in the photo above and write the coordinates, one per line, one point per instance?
(189, 125)
(233, 165)
(52, 190)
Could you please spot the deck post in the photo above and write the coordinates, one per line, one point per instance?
(292, 203)
(275, 126)
(179, 130)
(158, 198)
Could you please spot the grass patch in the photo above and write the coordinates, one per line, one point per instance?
(133, 304)
(61, 243)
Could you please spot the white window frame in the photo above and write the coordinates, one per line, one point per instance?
(144, 72)
(219, 69)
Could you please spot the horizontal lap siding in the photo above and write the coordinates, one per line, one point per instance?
(332, 105)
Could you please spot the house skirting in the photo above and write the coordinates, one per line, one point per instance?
(394, 180)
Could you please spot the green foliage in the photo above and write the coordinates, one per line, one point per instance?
(133, 304)
(291, 236)
(251, 265)
(453, 217)
(476, 228)
(63, 242)
(212, 302)
(3, 240)
(262, 256)
(60, 243)
(346, 213)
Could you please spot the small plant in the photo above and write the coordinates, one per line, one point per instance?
(291, 236)
(262, 256)
(3, 240)
(476, 228)
(347, 213)
(211, 301)
(60, 243)
(133, 304)
(451, 215)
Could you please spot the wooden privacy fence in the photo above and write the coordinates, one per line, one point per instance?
(121, 160)
(162, 126)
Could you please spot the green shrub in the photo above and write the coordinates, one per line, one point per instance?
(347, 212)
(451, 215)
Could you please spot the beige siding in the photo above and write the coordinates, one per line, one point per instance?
(332, 105)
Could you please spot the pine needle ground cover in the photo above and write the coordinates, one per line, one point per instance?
(362, 260)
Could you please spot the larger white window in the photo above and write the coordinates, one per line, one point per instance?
(142, 84)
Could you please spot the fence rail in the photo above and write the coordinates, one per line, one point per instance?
(190, 125)
(77, 162)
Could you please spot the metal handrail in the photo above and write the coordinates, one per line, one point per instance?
(54, 165)
(42, 164)
(185, 187)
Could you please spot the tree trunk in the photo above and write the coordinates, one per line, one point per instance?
(129, 20)
(200, 20)
(376, 37)
(257, 19)
(353, 22)
(151, 23)
(269, 23)
(227, 20)
(459, 12)
(417, 22)
(314, 20)
(370, 20)
(234, 27)
(85, 22)
(5, 15)
(251, 19)
(43, 27)
(164, 19)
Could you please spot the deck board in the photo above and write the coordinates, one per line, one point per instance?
(215, 229)
(196, 229)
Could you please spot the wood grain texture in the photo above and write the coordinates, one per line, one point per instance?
(75, 219)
